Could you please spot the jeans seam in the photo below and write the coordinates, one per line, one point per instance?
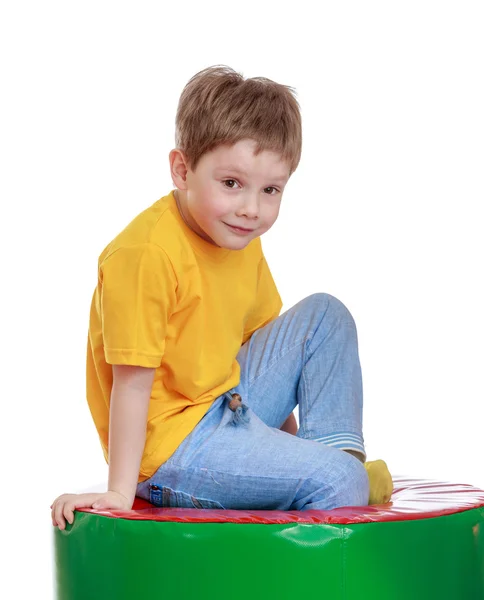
(258, 476)
(307, 392)
(277, 359)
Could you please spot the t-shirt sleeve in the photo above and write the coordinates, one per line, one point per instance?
(138, 295)
(268, 302)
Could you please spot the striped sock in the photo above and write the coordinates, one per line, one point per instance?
(344, 441)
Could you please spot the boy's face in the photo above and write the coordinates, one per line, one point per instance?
(232, 188)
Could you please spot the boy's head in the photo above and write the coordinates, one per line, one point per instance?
(238, 142)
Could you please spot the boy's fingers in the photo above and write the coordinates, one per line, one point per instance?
(58, 518)
(69, 513)
(54, 511)
(68, 508)
(52, 516)
(57, 514)
(63, 507)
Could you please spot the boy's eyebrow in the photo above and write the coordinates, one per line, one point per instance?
(234, 169)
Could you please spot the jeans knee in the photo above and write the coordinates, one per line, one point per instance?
(354, 486)
(330, 307)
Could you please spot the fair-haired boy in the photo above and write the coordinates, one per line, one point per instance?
(192, 375)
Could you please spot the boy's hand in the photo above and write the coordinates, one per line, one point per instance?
(64, 506)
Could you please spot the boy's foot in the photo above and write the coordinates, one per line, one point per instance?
(381, 484)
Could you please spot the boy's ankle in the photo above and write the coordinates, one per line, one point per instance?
(357, 455)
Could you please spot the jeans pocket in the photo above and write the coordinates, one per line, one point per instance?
(167, 498)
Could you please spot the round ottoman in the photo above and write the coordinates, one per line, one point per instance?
(428, 542)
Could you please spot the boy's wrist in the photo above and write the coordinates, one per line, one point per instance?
(126, 498)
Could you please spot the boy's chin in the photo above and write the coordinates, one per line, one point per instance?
(238, 244)
(231, 241)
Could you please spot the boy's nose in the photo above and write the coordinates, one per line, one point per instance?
(250, 207)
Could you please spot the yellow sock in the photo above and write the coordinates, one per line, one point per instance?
(381, 484)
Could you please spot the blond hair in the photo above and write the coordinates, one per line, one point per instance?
(218, 106)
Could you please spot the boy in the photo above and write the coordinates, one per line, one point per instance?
(192, 377)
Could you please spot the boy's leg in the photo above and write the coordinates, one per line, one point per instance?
(245, 464)
(310, 355)
(307, 356)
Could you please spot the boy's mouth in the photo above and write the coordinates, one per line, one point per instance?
(238, 229)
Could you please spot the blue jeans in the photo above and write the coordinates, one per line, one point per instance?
(308, 357)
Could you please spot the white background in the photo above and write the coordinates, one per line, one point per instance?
(384, 212)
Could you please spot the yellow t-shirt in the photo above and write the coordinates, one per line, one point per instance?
(168, 299)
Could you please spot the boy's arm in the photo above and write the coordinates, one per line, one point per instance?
(130, 398)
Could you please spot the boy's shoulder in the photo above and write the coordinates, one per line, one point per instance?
(156, 226)
(160, 229)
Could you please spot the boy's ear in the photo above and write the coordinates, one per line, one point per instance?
(178, 169)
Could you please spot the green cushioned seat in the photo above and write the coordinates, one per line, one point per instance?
(427, 543)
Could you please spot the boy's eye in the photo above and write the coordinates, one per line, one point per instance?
(230, 183)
